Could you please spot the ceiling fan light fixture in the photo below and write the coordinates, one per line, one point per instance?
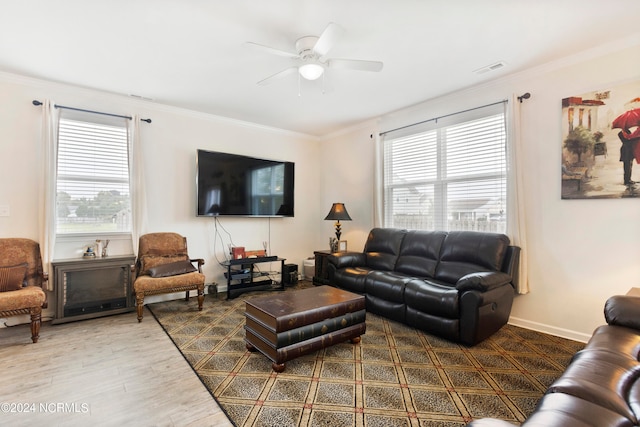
(311, 71)
(311, 57)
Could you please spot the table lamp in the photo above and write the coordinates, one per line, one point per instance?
(338, 212)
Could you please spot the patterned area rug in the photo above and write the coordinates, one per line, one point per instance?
(396, 376)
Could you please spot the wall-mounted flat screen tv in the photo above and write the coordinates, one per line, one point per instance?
(232, 184)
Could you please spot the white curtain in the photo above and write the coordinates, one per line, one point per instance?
(516, 224)
(47, 197)
(378, 183)
(136, 182)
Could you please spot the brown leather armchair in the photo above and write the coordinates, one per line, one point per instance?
(163, 266)
(21, 281)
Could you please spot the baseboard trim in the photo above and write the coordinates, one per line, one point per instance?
(548, 329)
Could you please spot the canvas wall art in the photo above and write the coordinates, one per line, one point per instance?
(601, 143)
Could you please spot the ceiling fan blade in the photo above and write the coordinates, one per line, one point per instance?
(272, 50)
(354, 64)
(278, 76)
(328, 38)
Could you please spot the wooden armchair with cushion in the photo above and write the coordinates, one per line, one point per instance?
(163, 266)
(21, 281)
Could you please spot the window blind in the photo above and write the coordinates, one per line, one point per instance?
(447, 174)
(92, 184)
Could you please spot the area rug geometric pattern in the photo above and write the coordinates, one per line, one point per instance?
(396, 376)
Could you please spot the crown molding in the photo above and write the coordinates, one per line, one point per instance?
(150, 105)
(371, 125)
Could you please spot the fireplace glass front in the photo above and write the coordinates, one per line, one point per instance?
(90, 291)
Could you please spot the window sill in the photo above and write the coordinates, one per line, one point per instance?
(82, 237)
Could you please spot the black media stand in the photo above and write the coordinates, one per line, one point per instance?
(242, 272)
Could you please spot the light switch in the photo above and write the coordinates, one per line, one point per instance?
(4, 210)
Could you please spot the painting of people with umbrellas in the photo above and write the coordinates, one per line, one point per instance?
(601, 143)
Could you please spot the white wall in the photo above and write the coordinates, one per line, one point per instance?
(169, 145)
(580, 251)
(347, 177)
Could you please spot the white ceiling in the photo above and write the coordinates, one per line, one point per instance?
(191, 53)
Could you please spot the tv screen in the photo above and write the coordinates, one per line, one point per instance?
(231, 184)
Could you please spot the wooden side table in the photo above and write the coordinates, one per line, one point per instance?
(634, 292)
(321, 276)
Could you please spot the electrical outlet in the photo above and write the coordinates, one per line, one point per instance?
(4, 210)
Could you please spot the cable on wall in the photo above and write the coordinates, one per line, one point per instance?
(38, 103)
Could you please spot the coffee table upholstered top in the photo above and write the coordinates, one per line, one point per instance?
(290, 310)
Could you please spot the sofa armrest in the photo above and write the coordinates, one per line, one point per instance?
(483, 281)
(347, 259)
(511, 265)
(623, 310)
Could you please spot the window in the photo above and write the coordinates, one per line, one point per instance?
(92, 184)
(447, 174)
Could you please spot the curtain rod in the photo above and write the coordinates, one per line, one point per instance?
(36, 103)
(442, 117)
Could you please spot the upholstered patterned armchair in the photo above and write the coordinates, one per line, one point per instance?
(21, 281)
(163, 266)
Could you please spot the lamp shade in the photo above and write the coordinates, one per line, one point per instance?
(338, 213)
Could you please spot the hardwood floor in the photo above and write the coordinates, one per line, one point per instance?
(110, 371)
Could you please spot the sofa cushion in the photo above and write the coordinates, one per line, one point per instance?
(599, 380)
(351, 278)
(29, 296)
(12, 278)
(465, 252)
(386, 285)
(383, 247)
(420, 252)
(149, 284)
(172, 269)
(150, 261)
(429, 296)
(435, 325)
(391, 310)
(633, 397)
(618, 340)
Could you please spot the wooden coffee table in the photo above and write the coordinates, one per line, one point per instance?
(294, 323)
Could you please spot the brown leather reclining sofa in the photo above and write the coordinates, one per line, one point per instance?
(601, 385)
(458, 285)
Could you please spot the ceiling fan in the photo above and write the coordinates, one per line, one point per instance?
(311, 54)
